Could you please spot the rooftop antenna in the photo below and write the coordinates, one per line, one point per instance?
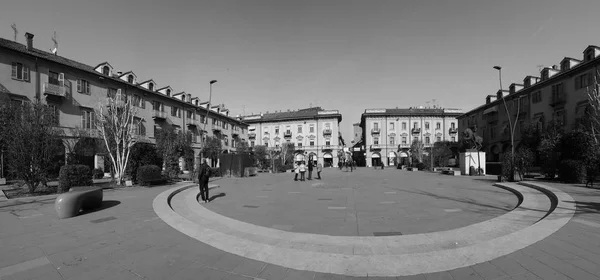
(55, 49)
(14, 27)
(540, 67)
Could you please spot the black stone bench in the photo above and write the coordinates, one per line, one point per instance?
(69, 204)
(450, 171)
(250, 171)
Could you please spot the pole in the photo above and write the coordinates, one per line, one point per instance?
(207, 111)
(512, 139)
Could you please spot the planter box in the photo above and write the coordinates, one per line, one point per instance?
(2, 181)
(128, 183)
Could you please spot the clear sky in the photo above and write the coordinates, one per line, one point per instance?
(339, 54)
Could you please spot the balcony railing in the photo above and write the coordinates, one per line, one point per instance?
(453, 130)
(375, 147)
(55, 90)
(416, 130)
(328, 147)
(558, 101)
(159, 115)
(375, 130)
(287, 134)
(252, 136)
(327, 131)
(192, 122)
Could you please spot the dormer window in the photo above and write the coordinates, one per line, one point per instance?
(545, 74)
(151, 86)
(106, 70)
(565, 65)
(589, 55)
(130, 79)
(168, 92)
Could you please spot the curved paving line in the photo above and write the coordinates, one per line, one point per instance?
(375, 263)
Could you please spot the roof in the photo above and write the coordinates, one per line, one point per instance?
(103, 63)
(126, 73)
(167, 87)
(308, 113)
(413, 111)
(151, 80)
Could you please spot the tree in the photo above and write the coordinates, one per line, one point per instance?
(416, 150)
(287, 153)
(260, 154)
(33, 141)
(212, 148)
(143, 154)
(442, 153)
(242, 147)
(172, 145)
(116, 123)
(593, 91)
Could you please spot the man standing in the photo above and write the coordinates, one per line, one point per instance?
(310, 168)
(319, 169)
(203, 176)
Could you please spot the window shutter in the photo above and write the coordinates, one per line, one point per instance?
(78, 85)
(14, 70)
(82, 118)
(87, 87)
(61, 79)
(25, 73)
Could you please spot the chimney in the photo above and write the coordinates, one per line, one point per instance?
(514, 87)
(119, 73)
(490, 98)
(29, 38)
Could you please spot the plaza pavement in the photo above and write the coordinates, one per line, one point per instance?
(126, 239)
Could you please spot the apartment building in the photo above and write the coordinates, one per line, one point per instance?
(389, 133)
(313, 131)
(75, 90)
(558, 94)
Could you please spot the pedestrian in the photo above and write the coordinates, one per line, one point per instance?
(302, 170)
(310, 168)
(319, 169)
(296, 170)
(203, 176)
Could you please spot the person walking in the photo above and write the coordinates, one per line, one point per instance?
(310, 168)
(296, 170)
(203, 176)
(319, 169)
(302, 171)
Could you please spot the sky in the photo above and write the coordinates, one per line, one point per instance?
(348, 55)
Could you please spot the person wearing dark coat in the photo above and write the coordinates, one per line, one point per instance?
(310, 168)
(203, 176)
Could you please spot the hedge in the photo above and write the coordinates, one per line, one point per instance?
(572, 171)
(148, 174)
(74, 176)
(98, 173)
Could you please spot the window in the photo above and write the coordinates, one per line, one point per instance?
(453, 139)
(311, 128)
(312, 143)
(404, 126)
(452, 125)
(157, 106)
(214, 121)
(266, 144)
(426, 125)
(427, 140)
(106, 70)
(251, 143)
(168, 92)
(151, 87)
(403, 139)
(589, 55)
(139, 102)
(156, 129)
(492, 132)
(392, 126)
(438, 125)
(83, 86)
(233, 142)
(111, 93)
(130, 79)
(415, 125)
(327, 125)
(327, 143)
(376, 126)
(392, 140)
(53, 79)
(20, 72)
(415, 139)
(55, 118)
(226, 141)
(375, 140)
(299, 144)
(438, 139)
(140, 129)
(87, 118)
(583, 80)
(299, 129)
(559, 117)
(558, 93)
(536, 97)
(277, 130)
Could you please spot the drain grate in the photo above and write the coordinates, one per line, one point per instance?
(250, 206)
(387, 233)
(102, 220)
(325, 199)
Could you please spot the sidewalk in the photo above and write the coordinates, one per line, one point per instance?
(126, 240)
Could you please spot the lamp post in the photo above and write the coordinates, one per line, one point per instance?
(207, 110)
(511, 127)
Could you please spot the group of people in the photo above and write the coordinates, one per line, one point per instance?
(301, 167)
(348, 163)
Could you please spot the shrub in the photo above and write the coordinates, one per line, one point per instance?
(74, 176)
(572, 171)
(142, 154)
(148, 174)
(98, 173)
(215, 172)
(421, 166)
(548, 157)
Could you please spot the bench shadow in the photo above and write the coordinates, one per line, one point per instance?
(105, 205)
(216, 196)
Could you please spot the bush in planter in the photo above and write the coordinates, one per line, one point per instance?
(148, 174)
(572, 171)
(74, 176)
(98, 173)
(215, 172)
(421, 166)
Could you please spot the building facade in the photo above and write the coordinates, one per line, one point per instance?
(75, 90)
(313, 131)
(559, 95)
(389, 133)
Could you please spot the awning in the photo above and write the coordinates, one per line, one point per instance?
(327, 155)
(392, 155)
(375, 155)
(490, 110)
(403, 154)
(299, 157)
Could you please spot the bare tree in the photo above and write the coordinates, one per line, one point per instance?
(416, 149)
(593, 92)
(116, 123)
(287, 153)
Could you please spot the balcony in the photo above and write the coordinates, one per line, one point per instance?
(403, 145)
(416, 130)
(251, 135)
(287, 134)
(375, 130)
(192, 123)
(158, 115)
(327, 131)
(54, 90)
(556, 101)
(375, 147)
(453, 130)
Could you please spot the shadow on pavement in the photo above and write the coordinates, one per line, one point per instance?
(105, 205)
(216, 196)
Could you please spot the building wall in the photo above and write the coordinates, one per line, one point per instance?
(72, 106)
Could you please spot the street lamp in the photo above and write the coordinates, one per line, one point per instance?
(208, 109)
(511, 126)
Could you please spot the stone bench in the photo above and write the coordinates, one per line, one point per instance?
(451, 172)
(412, 169)
(69, 204)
